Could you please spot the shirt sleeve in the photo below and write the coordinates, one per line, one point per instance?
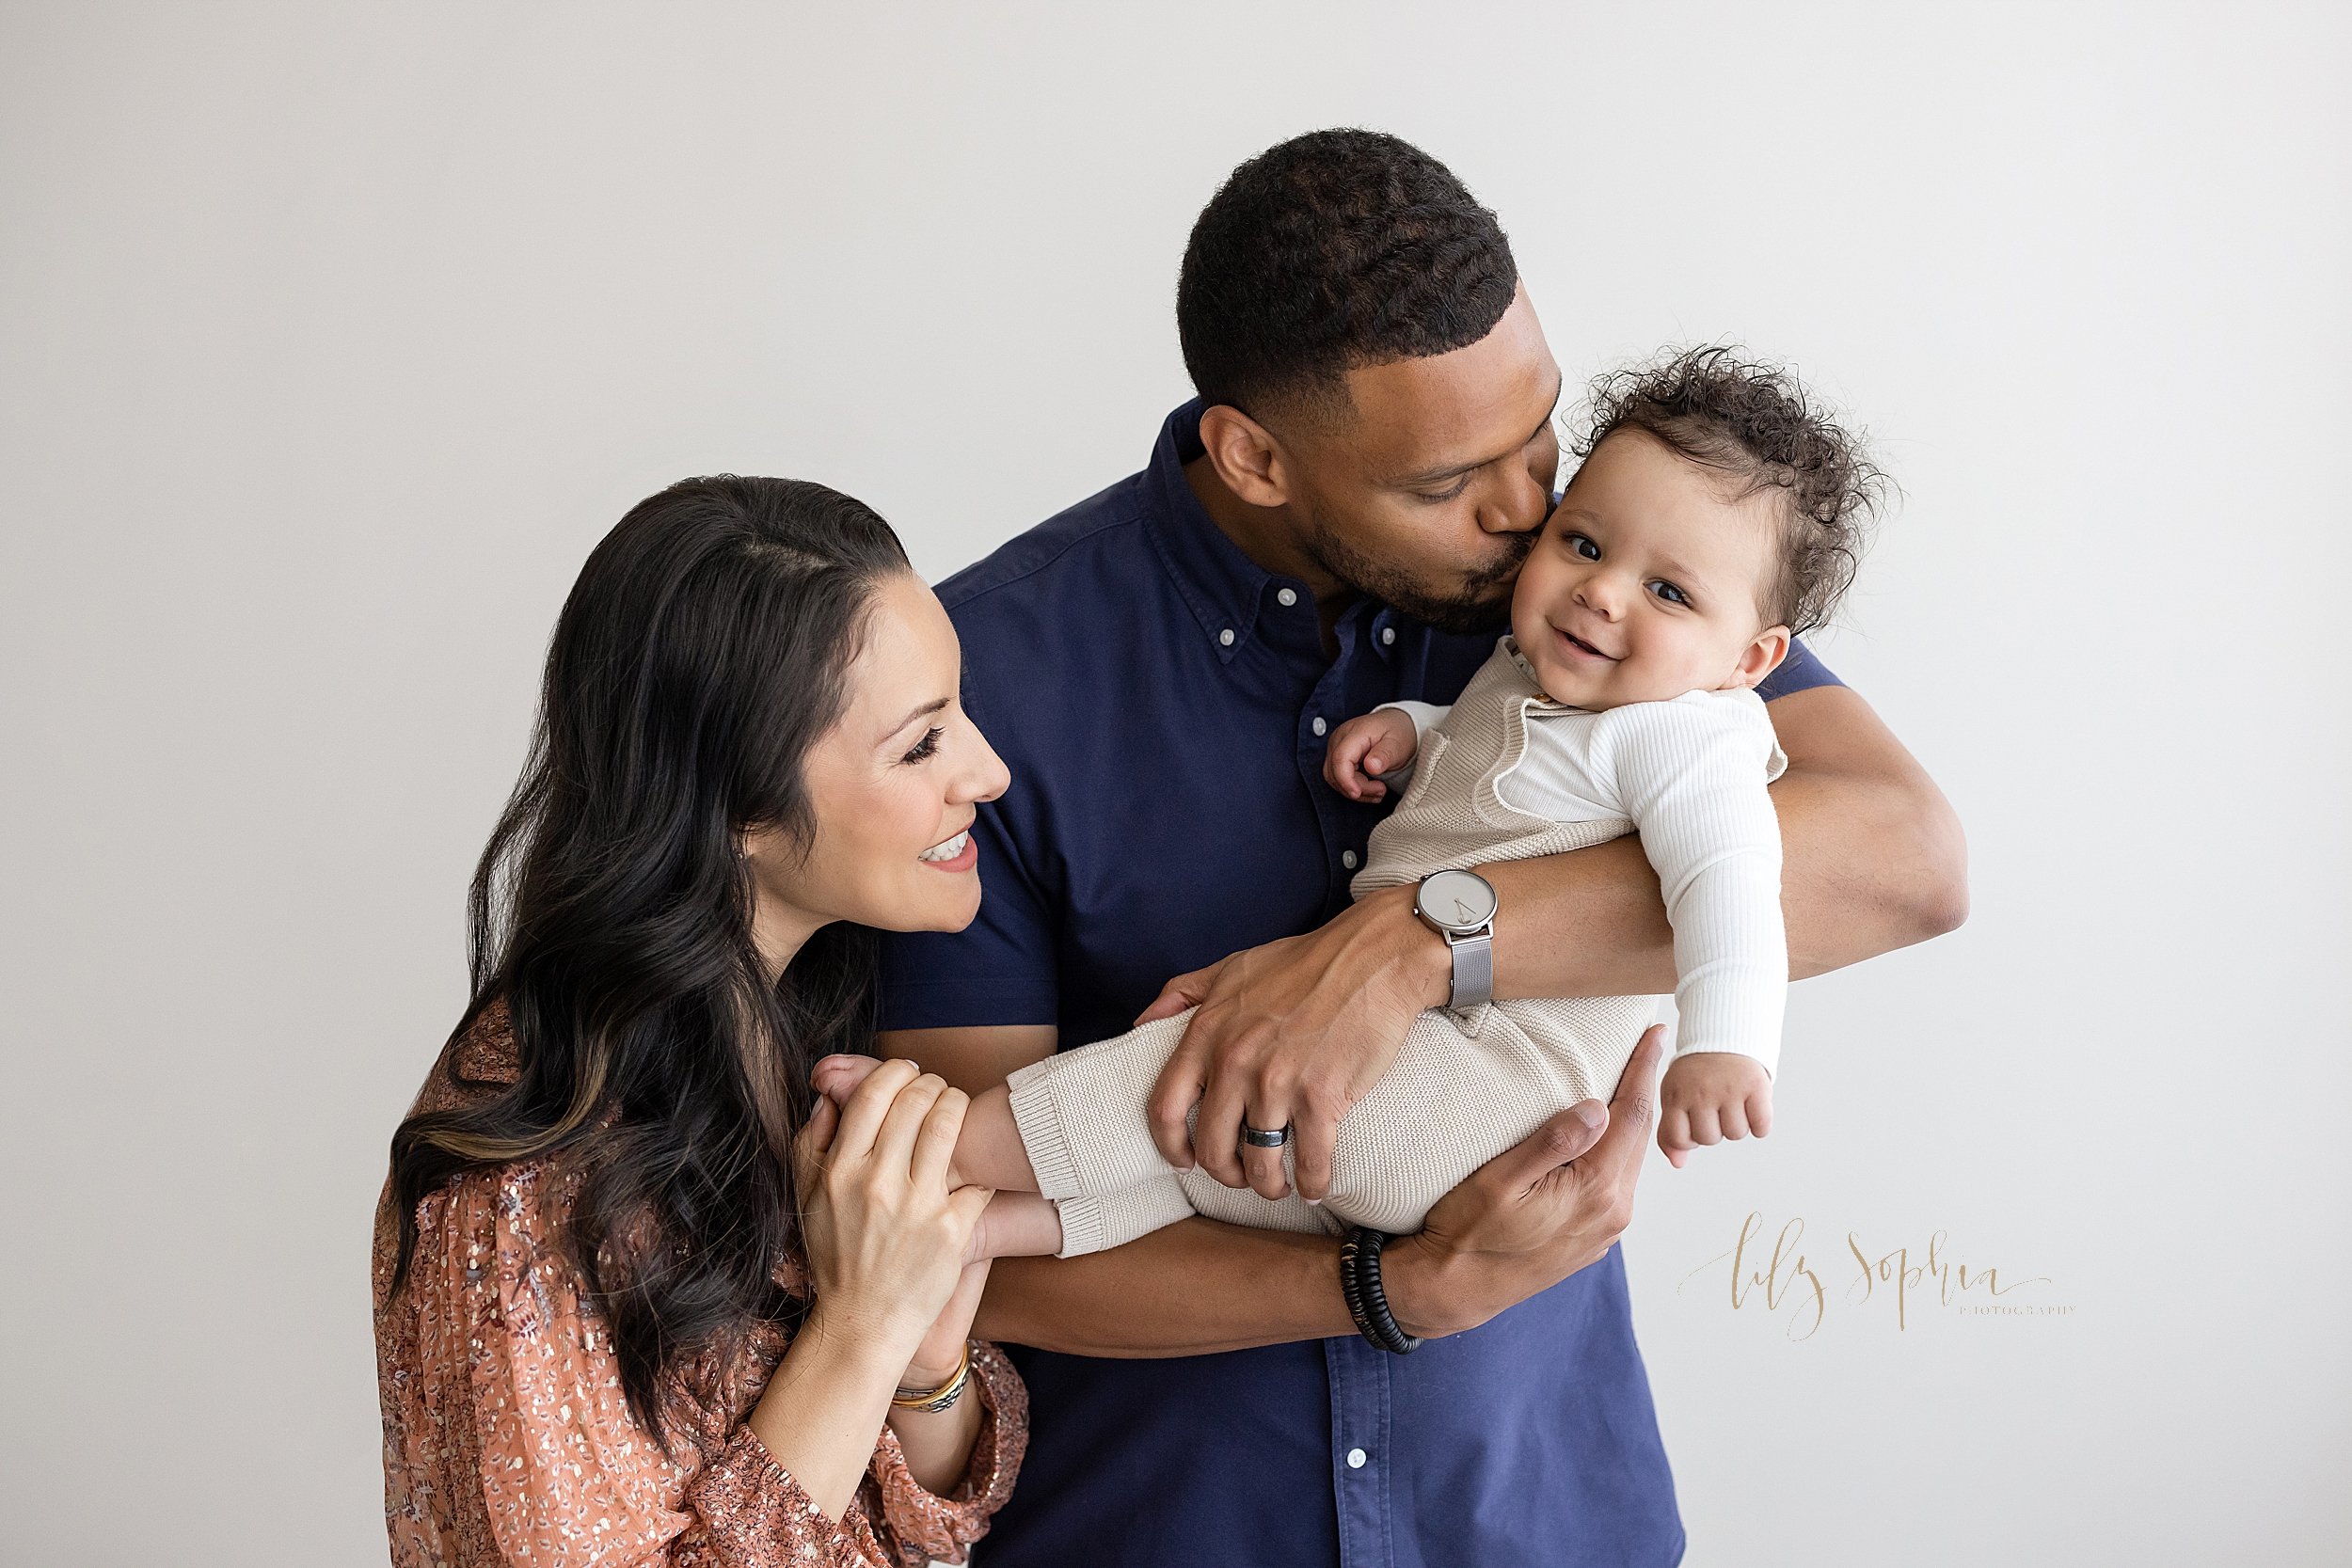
(568, 1476)
(929, 1526)
(1001, 969)
(1693, 775)
(1799, 672)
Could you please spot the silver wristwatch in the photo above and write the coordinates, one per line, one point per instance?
(1460, 907)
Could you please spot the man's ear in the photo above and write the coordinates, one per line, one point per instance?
(1246, 454)
(1761, 656)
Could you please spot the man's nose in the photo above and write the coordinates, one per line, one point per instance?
(1518, 506)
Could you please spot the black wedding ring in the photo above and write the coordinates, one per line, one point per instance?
(1258, 1138)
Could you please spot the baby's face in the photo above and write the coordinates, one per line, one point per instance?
(1646, 581)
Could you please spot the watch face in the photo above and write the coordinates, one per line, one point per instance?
(1457, 900)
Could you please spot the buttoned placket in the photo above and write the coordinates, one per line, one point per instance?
(1341, 823)
(1359, 1375)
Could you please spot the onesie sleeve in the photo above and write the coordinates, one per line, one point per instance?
(1693, 775)
(1425, 716)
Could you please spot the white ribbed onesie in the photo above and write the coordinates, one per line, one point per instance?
(1506, 774)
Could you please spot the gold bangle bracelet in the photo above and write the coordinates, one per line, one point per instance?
(935, 1400)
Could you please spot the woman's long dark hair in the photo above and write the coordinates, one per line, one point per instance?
(700, 653)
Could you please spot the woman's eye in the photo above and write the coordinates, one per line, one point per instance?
(1583, 546)
(1669, 592)
(926, 747)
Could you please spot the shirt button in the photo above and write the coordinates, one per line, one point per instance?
(1226, 637)
(1320, 726)
(1287, 597)
(1356, 1458)
(1347, 859)
(1388, 636)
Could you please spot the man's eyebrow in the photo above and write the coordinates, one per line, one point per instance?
(1432, 476)
(923, 712)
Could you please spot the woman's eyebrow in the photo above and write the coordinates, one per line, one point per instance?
(923, 712)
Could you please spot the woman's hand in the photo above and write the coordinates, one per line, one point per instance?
(886, 1241)
(886, 1238)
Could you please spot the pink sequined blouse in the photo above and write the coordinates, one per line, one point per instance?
(507, 1440)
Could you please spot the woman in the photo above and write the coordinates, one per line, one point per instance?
(641, 1297)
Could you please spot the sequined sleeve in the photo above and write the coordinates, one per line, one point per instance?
(508, 1440)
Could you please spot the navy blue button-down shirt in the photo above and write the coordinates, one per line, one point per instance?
(1156, 695)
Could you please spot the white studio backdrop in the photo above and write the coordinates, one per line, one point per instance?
(332, 337)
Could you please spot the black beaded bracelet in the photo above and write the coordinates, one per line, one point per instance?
(1367, 1301)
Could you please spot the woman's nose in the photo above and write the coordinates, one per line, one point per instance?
(985, 776)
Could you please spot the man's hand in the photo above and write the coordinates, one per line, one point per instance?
(1530, 1216)
(1365, 749)
(1292, 1035)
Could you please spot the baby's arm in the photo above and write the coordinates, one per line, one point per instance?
(1692, 776)
(1369, 754)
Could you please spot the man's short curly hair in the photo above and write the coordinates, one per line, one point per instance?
(1332, 250)
(1755, 424)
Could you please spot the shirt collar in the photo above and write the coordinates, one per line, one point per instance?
(1221, 585)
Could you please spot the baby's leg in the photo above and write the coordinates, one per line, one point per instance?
(1463, 1091)
(1017, 1222)
(1017, 1225)
(987, 1150)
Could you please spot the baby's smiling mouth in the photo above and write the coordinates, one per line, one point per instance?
(1580, 644)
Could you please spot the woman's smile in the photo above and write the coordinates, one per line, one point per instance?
(958, 853)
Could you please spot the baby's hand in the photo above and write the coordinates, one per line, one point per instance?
(1708, 1096)
(1363, 749)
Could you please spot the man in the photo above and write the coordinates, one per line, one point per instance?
(1335, 523)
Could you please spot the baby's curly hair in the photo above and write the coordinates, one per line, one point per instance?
(1755, 424)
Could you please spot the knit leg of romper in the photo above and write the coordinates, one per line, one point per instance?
(1463, 1090)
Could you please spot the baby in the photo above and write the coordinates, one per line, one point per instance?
(1715, 513)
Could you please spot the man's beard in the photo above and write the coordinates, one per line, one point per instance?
(1479, 602)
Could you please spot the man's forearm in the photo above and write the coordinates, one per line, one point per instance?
(1190, 1288)
(1873, 860)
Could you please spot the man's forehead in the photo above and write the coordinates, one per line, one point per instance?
(1417, 419)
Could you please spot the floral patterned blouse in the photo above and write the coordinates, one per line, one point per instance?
(507, 1440)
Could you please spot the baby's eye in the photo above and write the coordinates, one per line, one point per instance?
(1669, 592)
(1581, 545)
(925, 747)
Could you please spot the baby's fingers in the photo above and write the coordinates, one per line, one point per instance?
(1340, 769)
(1674, 1133)
(1760, 1112)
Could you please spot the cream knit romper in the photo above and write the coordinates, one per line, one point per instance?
(1464, 1086)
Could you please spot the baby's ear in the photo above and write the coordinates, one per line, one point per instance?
(1762, 657)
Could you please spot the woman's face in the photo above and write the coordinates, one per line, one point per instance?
(894, 784)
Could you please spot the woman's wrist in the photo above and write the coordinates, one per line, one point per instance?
(912, 1376)
(859, 1349)
(929, 1395)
